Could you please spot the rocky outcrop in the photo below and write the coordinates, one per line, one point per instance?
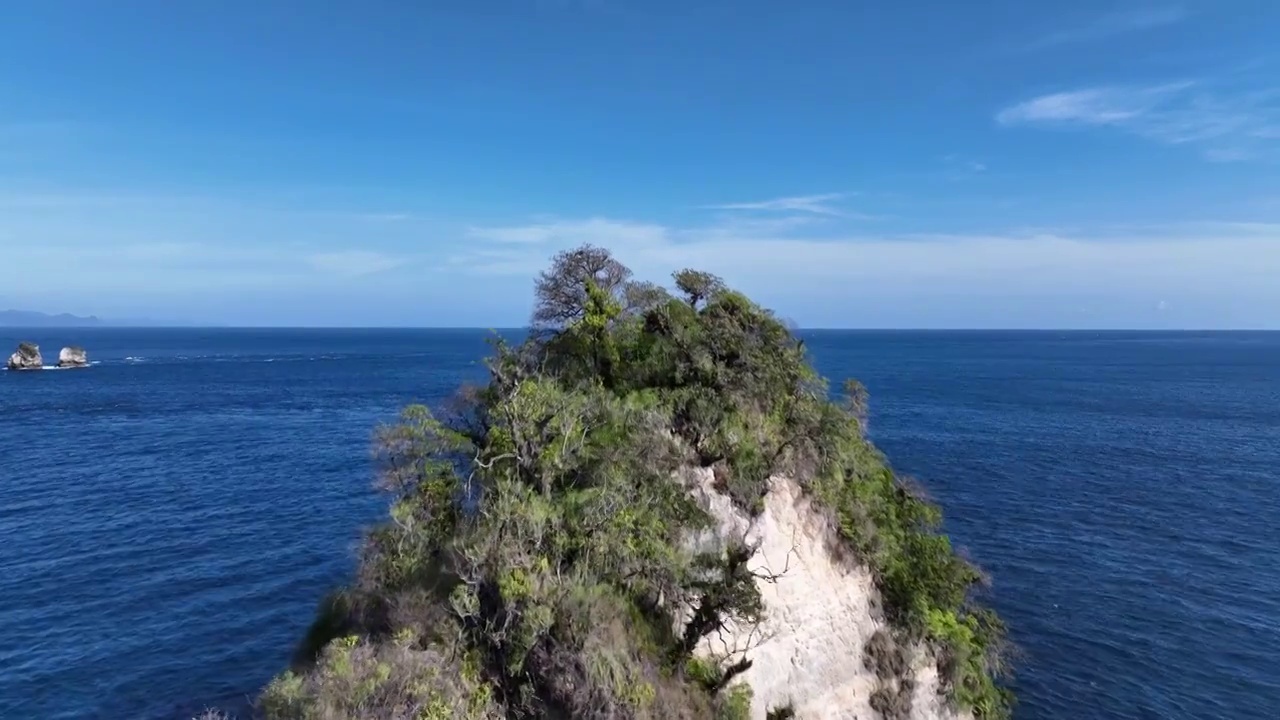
(823, 647)
(27, 357)
(73, 357)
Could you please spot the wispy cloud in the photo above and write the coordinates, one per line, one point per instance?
(1110, 25)
(354, 263)
(968, 165)
(1221, 271)
(521, 235)
(595, 230)
(1092, 106)
(836, 272)
(823, 204)
(63, 201)
(39, 129)
(385, 217)
(161, 273)
(1228, 124)
(914, 261)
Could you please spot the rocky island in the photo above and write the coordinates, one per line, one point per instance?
(27, 357)
(654, 509)
(73, 357)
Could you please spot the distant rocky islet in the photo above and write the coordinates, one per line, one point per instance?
(28, 357)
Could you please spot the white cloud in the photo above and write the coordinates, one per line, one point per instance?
(1113, 24)
(127, 243)
(118, 261)
(817, 204)
(353, 263)
(173, 267)
(388, 217)
(54, 201)
(530, 234)
(1243, 258)
(1092, 106)
(597, 231)
(969, 165)
(1228, 125)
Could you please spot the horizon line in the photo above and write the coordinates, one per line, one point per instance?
(495, 328)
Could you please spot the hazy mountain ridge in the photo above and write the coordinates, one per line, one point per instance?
(30, 318)
(33, 319)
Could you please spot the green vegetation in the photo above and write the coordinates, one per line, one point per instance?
(535, 562)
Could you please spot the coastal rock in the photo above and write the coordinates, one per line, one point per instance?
(27, 357)
(71, 357)
(822, 620)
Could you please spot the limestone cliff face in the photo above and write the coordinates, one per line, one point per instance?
(822, 613)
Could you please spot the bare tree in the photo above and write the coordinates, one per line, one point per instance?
(561, 291)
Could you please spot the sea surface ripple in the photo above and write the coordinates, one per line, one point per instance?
(170, 517)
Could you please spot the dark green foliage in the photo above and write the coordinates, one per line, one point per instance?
(781, 713)
(697, 286)
(925, 585)
(640, 297)
(537, 536)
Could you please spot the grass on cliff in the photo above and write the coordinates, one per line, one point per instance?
(536, 552)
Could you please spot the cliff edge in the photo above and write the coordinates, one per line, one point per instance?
(654, 509)
(823, 646)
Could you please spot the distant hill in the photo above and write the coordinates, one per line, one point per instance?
(27, 318)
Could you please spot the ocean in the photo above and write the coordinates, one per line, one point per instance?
(170, 517)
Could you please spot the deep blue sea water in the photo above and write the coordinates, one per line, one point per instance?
(170, 517)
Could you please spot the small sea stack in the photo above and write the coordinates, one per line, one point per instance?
(73, 357)
(27, 357)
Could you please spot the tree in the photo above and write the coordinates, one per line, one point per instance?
(561, 291)
(697, 285)
(641, 296)
(856, 401)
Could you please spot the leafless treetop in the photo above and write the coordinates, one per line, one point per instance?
(561, 291)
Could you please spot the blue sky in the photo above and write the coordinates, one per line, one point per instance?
(852, 164)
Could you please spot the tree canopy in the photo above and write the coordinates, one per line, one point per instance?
(534, 560)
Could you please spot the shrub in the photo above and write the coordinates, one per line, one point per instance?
(354, 678)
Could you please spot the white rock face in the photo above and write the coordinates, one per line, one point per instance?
(27, 357)
(73, 357)
(820, 612)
